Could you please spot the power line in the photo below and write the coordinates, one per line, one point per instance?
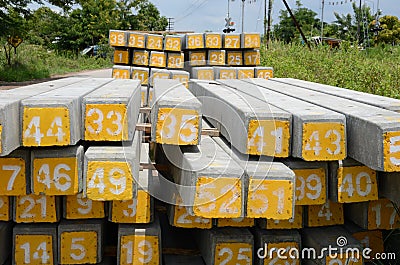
(192, 11)
(171, 24)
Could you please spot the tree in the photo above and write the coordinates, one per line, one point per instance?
(347, 24)
(148, 18)
(390, 33)
(286, 30)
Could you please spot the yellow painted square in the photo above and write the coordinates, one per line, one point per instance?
(293, 223)
(46, 127)
(233, 254)
(344, 260)
(234, 58)
(1, 137)
(158, 60)
(235, 222)
(268, 137)
(121, 73)
(382, 214)
(79, 247)
(36, 209)
(330, 213)
(121, 56)
(213, 41)
(288, 246)
(310, 186)
(205, 74)
(195, 41)
(106, 122)
(197, 58)
(117, 38)
(252, 57)
(13, 179)
(227, 74)
(218, 197)
(55, 176)
(232, 42)
(141, 75)
(135, 211)
(252, 41)
(141, 58)
(78, 207)
(371, 239)
(139, 249)
(184, 79)
(391, 151)
(324, 141)
(177, 126)
(245, 73)
(109, 181)
(357, 184)
(270, 199)
(173, 43)
(155, 42)
(216, 57)
(176, 60)
(265, 73)
(34, 250)
(5, 209)
(137, 40)
(183, 219)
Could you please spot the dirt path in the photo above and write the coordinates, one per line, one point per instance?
(102, 73)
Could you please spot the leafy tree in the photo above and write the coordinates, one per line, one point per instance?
(148, 18)
(286, 29)
(391, 30)
(347, 25)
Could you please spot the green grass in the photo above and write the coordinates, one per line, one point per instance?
(376, 70)
(34, 62)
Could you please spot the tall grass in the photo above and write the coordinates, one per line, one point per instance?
(376, 70)
(34, 62)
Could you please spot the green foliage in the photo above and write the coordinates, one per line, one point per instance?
(33, 62)
(391, 30)
(148, 18)
(286, 30)
(374, 71)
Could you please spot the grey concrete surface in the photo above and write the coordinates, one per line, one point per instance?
(362, 97)
(372, 133)
(232, 114)
(303, 113)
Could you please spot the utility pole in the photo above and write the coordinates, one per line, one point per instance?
(243, 2)
(170, 24)
(359, 24)
(269, 21)
(322, 20)
(265, 23)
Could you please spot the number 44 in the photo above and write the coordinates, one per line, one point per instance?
(38, 135)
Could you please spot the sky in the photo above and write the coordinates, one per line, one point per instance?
(201, 15)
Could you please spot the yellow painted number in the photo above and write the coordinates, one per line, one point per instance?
(233, 254)
(33, 249)
(268, 138)
(109, 181)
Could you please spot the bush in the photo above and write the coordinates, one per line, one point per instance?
(376, 70)
(34, 62)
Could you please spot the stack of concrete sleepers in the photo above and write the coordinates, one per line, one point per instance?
(76, 154)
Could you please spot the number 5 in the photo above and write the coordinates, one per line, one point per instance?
(79, 247)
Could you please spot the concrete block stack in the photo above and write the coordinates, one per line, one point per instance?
(70, 151)
(290, 165)
(340, 145)
(208, 56)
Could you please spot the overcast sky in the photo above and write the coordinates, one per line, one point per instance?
(201, 15)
